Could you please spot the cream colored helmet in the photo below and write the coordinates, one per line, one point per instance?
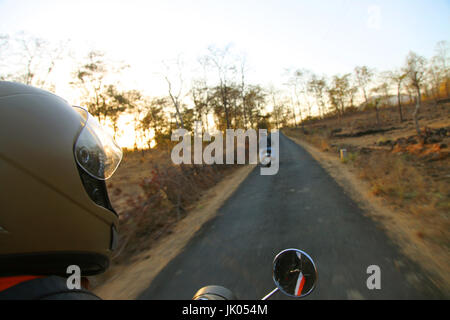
(54, 206)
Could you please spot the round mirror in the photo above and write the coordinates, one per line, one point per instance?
(294, 273)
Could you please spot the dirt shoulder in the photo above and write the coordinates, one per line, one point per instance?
(128, 281)
(401, 227)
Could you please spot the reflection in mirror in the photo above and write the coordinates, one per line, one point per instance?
(294, 273)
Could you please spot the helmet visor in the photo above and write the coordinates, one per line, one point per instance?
(95, 150)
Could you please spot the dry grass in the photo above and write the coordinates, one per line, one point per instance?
(395, 175)
(392, 176)
(408, 187)
(408, 177)
(151, 195)
(318, 138)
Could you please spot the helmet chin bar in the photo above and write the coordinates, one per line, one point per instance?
(96, 190)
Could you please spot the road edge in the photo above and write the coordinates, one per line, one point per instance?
(399, 230)
(130, 281)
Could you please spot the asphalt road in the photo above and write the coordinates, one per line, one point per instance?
(300, 207)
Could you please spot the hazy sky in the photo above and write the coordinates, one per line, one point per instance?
(326, 36)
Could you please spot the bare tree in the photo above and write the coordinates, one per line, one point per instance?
(376, 101)
(133, 102)
(176, 91)
(32, 49)
(434, 79)
(200, 95)
(363, 77)
(398, 77)
(243, 70)
(254, 101)
(277, 108)
(220, 60)
(117, 103)
(340, 93)
(229, 117)
(415, 71)
(381, 94)
(89, 78)
(442, 59)
(298, 82)
(30, 59)
(318, 87)
(154, 119)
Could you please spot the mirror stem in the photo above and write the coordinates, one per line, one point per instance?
(270, 294)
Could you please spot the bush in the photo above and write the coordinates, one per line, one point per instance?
(168, 192)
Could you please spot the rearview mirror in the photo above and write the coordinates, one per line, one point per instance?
(294, 273)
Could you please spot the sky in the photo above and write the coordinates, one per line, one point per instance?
(325, 36)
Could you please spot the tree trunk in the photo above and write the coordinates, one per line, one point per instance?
(225, 106)
(378, 115)
(446, 87)
(301, 120)
(295, 118)
(179, 115)
(243, 101)
(365, 98)
(399, 104)
(416, 111)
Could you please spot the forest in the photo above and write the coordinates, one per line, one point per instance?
(219, 94)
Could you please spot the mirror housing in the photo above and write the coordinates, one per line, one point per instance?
(294, 273)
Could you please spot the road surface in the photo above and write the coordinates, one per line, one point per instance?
(300, 207)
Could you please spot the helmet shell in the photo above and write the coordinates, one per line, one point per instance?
(47, 219)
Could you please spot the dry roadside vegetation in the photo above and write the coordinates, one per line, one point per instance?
(151, 195)
(410, 173)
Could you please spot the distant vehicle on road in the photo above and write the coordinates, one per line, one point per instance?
(265, 157)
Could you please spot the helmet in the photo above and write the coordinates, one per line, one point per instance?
(54, 205)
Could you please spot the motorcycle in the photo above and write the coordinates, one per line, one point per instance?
(265, 157)
(294, 274)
